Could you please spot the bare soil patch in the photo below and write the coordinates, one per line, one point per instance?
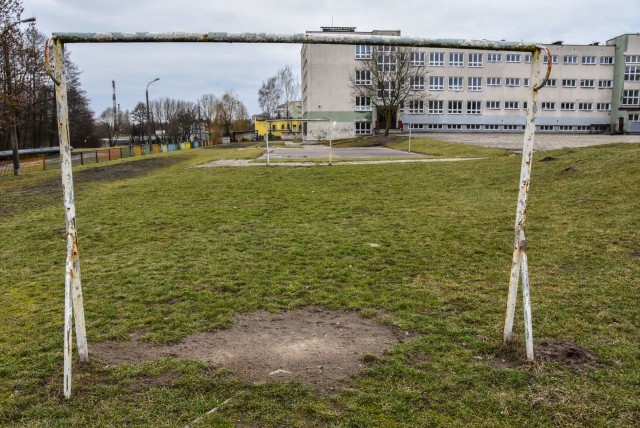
(566, 353)
(311, 345)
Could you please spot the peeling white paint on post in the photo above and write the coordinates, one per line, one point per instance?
(519, 261)
(73, 287)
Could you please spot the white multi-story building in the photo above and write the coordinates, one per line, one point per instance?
(592, 88)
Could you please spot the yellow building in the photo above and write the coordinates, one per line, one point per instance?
(283, 128)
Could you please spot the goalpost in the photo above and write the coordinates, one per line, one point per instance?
(74, 306)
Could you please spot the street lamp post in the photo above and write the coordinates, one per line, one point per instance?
(9, 87)
(148, 117)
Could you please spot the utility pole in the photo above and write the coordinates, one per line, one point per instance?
(148, 116)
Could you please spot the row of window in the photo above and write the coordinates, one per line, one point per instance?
(476, 59)
(491, 127)
(456, 83)
(475, 107)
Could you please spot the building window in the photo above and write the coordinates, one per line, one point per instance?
(512, 81)
(567, 106)
(546, 127)
(631, 97)
(436, 59)
(363, 104)
(494, 81)
(568, 83)
(566, 128)
(386, 59)
(511, 127)
(450, 126)
(554, 59)
(417, 83)
(603, 106)
(605, 84)
(363, 77)
(570, 59)
(363, 52)
(436, 83)
(634, 117)
(416, 107)
(552, 83)
(632, 73)
(585, 106)
(417, 58)
(475, 60)
(548, 106)
(587, 83)
(473, 127)
(511, 105)
(363, 127)
(454, 107)
(526, 82)
(606, 60)
(491, 127)
(632, 59)
(493, 105)
(589, 60)
(474, 84)
(385, 89)
(527, 58)
(474, 107)
(456, 83)
(416, 125)
(494, 57)
(456, 59)
(513, 57)
(436, 107)
(583, 128)
(434, 126)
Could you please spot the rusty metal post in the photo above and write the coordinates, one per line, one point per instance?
(519, 261)
(73, 287)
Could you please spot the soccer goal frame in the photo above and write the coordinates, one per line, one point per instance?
(74, 306)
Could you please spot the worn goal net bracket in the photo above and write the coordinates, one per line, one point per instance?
(74, 306)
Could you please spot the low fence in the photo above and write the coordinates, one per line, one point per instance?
(43, 162)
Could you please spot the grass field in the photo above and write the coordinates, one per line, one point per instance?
(168, 250)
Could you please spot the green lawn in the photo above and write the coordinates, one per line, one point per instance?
(175, 250)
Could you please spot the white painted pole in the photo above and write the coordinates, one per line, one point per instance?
(409, 138)
(519, 258)
(266, 136)
(330, 142)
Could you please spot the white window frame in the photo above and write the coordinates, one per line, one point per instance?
(359, 125)
(436, 59)
(494, 57)
(436, 107)
(554, 59)
(512, 82)
(587, 83)
(607, 60)
(585, 106)
(475, 60)
(474, 84)
(630, 97)
(456, 83)
(632, 73)
(605, 84)
(417, 59)
(417, 83)
(568, 106)
(363, 77)
(570, 59)
(416, 107)
(492, 105)
(494, 81)
(511, 105)
(454, 107)
(514, 57)
(363, 103)
(436, 83)
(569, 83)
(456, 59)
(589, 60)
(603, 106)
(632, 59)
(474, 107)
(548, 106)
(363, 52)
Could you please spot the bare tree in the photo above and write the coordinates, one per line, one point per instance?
(206, 113)
(230, 112)
(269, 96)
(290, 88)
(388, 78)
(113, 126)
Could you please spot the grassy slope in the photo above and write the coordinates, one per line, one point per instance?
(182, 250)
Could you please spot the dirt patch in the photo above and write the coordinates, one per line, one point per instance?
(566, 353)
(311, 345)
(570, 170)
(164, 379)
(124, 170)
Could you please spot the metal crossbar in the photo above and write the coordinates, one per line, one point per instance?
(74, 307)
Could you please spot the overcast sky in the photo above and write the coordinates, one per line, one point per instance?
(187, 71)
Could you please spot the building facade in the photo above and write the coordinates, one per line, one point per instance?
(592, 88)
